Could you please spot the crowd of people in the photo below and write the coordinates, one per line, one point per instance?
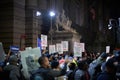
(91, 66)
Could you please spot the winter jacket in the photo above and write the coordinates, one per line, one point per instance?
(48, 73)
(12, 71)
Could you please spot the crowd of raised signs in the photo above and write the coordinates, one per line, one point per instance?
(91, 66)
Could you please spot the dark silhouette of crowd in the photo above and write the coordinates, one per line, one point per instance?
(90, 66)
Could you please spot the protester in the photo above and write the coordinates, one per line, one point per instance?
(45, 70)
(12, 71)
(75, 61)
(101, 66)
(82, 72)
(70, 74)
(55, 66)
(61, 62)
(110, 73)
(95, 65)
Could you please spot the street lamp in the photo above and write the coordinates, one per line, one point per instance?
(114, 25)
(52, 14)
(38, 13)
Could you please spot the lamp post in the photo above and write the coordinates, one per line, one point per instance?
(38, 21)
(52, 14)
(114, 25)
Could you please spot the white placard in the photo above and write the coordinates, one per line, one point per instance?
(43, 41)
(65, 45)
(59, 48)
(77, 49)
(107, 49)
(29, 60)
(52, 49)
(82, 45)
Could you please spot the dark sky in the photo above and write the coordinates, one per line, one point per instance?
(115, 8)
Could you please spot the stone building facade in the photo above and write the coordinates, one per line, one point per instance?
(20, 25)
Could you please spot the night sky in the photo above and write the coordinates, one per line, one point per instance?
(115, 8)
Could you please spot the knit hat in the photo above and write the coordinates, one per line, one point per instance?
(13, 59)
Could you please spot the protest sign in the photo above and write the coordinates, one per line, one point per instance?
(59, 48)
(107, 49)
(77, 49)
(65, 45)
(52, 49)
(29, 60)
(82, 45)
(14, 49)
(43, 41)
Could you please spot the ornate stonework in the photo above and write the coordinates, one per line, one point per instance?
(65, 22)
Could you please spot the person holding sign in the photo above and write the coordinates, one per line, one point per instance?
(45, 72)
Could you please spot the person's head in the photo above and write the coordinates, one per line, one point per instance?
(118, 55)
(82, 65)
(44, 62)
(51, 58)
(13, 59)
(110, 66)
(72, 66)
(54, 64)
